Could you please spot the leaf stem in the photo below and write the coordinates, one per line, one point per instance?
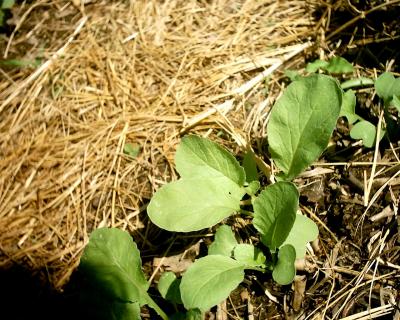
(359, 82)
(247, 212)
(261, 269)
(156, 308)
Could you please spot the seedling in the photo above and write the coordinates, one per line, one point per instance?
(211, 188)
(387, 88)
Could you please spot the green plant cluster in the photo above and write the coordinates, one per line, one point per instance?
(214, 185)
(386, 86)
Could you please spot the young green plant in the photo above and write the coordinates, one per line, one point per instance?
(211, 188)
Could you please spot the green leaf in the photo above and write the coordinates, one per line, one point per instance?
(284, 270)
(339, 65)
(396, 103)
(7, 4)
(293, 75)
(249, 255)
(168, 285)
(197, 157)
(366, 131)
(209, 281)
(387, 86)
(316, 65)
(224, 242)
(303, 231)
(111, 262)
(252, 188)
(275, 212)
(250, 167)
(102, 307)
(349, 107)
(194, 204)
(132, 150)
(302, 122)
(334, 65)
(125, 311)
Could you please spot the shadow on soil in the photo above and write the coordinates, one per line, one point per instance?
(25, 295)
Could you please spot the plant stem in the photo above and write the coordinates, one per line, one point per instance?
(247, 212)
(156, 308)
(256, 268)
(359, 82)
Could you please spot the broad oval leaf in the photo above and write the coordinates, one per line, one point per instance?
(194, 204)
(302, 121)
(199, 157)
(111, 262)
(303, 231)
(275, 212)
(224, 242)
(209, 281)
(249, 255)
(284, 270)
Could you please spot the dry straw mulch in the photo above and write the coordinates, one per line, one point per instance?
(114, 72)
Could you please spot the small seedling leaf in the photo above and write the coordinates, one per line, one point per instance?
(209, 281)
(302, 122)
(293, 75)
(224, 242)
(316, 65)
(111, 262)
(197, 157)
(366, 131)
(275, 212)
(303, 231)
(250, 167)
(284, 270)
(387, 86)
(194, 204)
(252, 188)
(132, 149)
(339, 65)
(334, 65)
(249, 255)
(168, 285)
(396, 103)
(348, 108)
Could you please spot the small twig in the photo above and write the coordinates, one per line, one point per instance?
(371, 178)
(362, 15)
(386, 212)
